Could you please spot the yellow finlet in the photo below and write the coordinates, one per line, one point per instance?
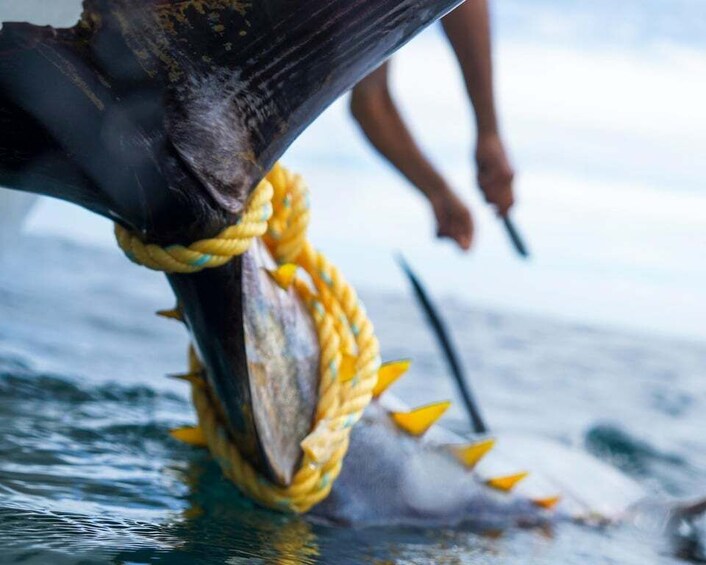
(195, 378)
(173, 314)
(389, 373)
(471, 454)
(547, 503)
(347, 369)
(190, 435)
(416, 422)
(284, 275)
(506, 483)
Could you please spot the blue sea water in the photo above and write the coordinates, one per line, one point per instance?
(89, 473)
(599, 342)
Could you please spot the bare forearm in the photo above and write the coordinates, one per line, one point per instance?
(468, 30)
(378, 117)
(374, 109)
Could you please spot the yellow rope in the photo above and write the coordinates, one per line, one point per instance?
(343, 328)
(207, 253)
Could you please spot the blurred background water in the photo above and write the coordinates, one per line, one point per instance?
(599, 341)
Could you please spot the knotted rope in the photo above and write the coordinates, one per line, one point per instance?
(278, 212)
(206, 253)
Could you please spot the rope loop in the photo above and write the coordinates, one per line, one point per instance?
(278, 212)
(206, 253)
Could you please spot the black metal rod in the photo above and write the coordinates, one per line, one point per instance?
(515, 237)
(444, 340)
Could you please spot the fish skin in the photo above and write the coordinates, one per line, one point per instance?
(392, 478)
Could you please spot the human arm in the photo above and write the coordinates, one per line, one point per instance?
(374, 108)
(468, 31)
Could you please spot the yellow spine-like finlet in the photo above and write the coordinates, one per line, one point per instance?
(195, 378)
(347, 368)
(284, 275)
(416, 422)
(173, 314)
(507, 482)
(190, 435)
(471, 454)
(389, 373)
(548, 503)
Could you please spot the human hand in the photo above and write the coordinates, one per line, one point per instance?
(453, 218)
(495, 173)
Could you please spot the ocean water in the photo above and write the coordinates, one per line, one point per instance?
(598, 342)
(89, 473)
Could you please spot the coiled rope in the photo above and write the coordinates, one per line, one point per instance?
(278, 212)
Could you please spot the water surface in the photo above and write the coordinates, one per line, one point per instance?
(89, 474)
